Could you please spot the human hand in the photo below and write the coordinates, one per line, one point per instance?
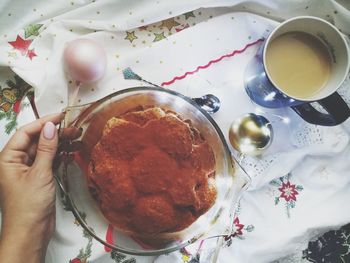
(27, 189)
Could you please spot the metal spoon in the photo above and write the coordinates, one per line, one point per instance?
(209, 102)
(251, 134)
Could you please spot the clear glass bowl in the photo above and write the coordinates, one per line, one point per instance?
(230, 178)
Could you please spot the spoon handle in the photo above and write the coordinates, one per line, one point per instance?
(208, 102)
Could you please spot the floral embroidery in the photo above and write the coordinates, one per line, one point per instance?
(238, 226)
(238, 231)
(121, 258)
(115, 255)
(84, 253)
(287, 192)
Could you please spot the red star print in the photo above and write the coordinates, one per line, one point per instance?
(143, 28)
(31, 54)
(183, 27)
(21, 44)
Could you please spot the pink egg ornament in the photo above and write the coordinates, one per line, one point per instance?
(85, 60)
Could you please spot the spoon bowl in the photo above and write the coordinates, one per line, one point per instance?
(251, 134)
(209, 102)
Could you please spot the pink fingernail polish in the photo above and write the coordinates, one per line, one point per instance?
(49, 130)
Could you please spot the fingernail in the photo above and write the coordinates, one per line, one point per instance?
(49, 131)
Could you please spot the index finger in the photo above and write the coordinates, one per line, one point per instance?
(23, 137)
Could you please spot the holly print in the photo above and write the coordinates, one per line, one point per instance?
(288, 192)
(32, 30)
(10, 101)
(189, 14)
(22, 44)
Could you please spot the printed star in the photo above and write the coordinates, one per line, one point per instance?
(189, 14)
(169, 23)
(183, 27)
(21, 44)
(12, 54)
(130, 36)
(31, 54)
(158, 37)
(142, 28)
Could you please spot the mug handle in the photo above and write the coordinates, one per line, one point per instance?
(338, 111)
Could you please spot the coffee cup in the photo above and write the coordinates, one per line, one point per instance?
(303, 60)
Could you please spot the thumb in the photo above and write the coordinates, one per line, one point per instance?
(47, 147)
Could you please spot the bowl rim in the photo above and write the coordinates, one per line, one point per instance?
(232, 161)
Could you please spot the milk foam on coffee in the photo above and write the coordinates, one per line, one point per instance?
(298, 63)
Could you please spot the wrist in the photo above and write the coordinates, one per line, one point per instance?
(18, 244)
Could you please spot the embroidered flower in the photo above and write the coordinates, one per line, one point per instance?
(288, 191)
(239, 227)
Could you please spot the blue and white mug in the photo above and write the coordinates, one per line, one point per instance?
(263, 90)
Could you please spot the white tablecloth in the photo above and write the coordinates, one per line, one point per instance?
(299, 187)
